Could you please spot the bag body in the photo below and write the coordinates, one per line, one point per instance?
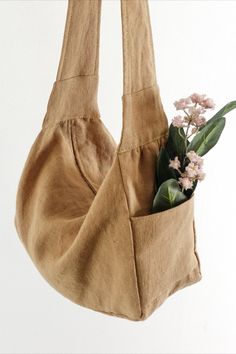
(83, 202)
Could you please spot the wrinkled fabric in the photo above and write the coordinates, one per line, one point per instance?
(83, 202)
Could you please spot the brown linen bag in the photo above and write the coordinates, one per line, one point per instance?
(83, 203)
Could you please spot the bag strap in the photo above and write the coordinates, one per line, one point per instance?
(142, 109)
(82, 37)
(80, 50)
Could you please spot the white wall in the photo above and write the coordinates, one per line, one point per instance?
(195, 47)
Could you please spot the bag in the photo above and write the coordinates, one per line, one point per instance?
(83, 202)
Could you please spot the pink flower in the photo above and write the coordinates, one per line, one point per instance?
(199, 121)
(195, 112)
(175, 163)
(195, 158)
(178, 121)
(186, 182)
(182, 103)
(196, 98)
(208, 103)
(192, 170)
(202, 101)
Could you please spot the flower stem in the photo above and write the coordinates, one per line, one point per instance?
(183, 137)
(186, 138)
(186, 113)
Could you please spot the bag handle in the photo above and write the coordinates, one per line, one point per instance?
(82, 37)
(75, 90)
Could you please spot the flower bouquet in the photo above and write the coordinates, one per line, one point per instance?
(180, 162)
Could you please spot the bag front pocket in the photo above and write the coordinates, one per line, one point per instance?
(165, 253)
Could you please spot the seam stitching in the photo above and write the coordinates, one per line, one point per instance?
(73, 142)
(74, 77)
(195, 247)
(50, 125)
(141, 90)
(65, 40)
(130, 148)
(132, 238)
(98, 19)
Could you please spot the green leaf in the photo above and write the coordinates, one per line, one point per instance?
(163, 172)
(222, 112)
(175, 144)
(168, 196)
(207, 137)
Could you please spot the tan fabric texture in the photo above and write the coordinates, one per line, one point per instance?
(83, 202)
